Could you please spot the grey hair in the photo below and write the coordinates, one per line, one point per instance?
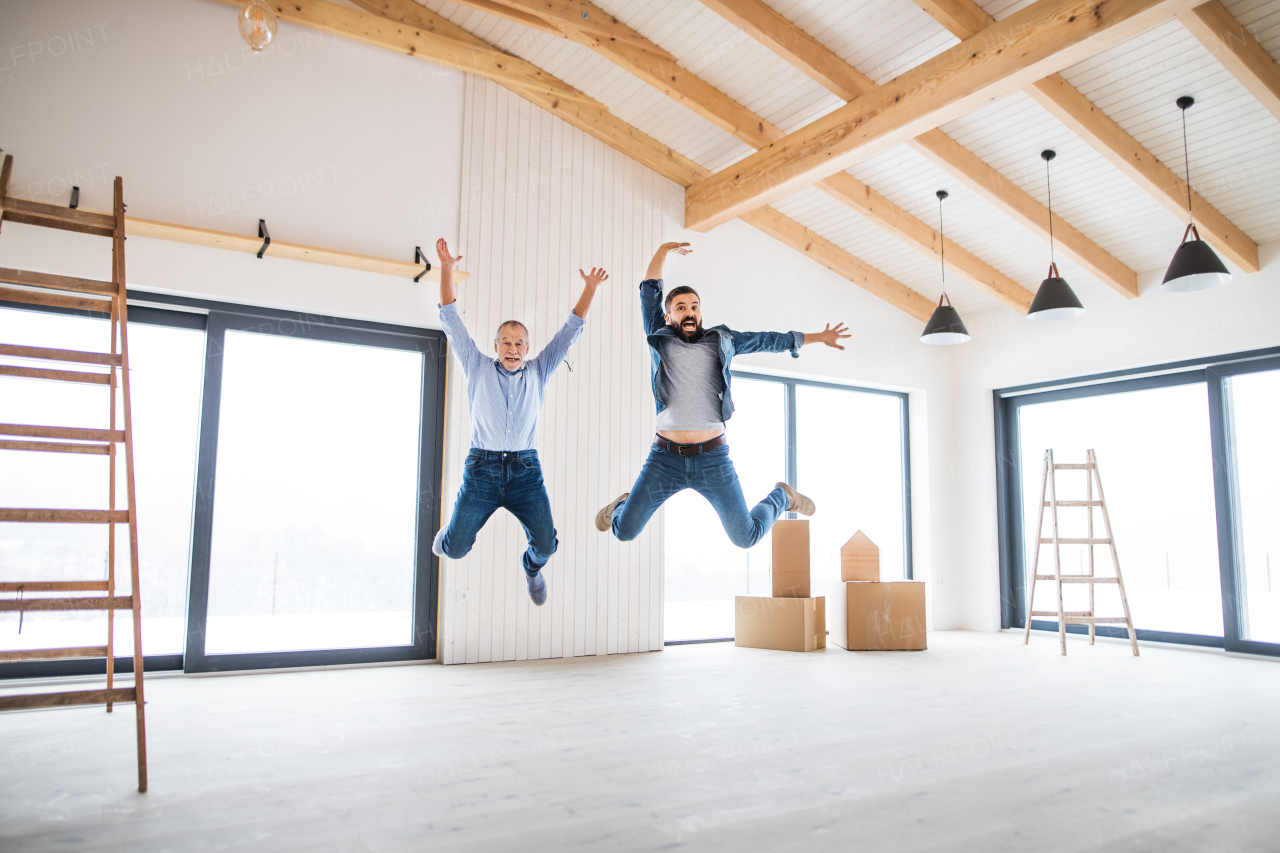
(522, 326)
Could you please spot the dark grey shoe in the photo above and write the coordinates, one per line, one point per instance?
(537, 588)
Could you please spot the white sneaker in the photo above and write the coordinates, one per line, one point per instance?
(435, 543)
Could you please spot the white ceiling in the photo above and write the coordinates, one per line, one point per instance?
(1234, 142)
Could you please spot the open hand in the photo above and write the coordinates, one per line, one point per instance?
(442, 252)
(678, 248)
(832, 336)
(596, 276)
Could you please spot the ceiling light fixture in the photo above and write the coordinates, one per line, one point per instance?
(945, 326)
(257, 24)
(1055, 299)
(1194, 265)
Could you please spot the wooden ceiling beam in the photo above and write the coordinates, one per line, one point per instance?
(627, 48)
(831, 256)
(596, 121)
(1066, 103)
(1236, 48)
(826, 67)
(1038, 40)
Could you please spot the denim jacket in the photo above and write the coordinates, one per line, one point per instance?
(731, 342)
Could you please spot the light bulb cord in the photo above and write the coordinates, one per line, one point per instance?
(1186, 159)
(942, 244)
(1049, 185)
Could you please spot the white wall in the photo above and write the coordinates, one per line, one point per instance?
(1007, 350)
(542, 200)
(333, 142)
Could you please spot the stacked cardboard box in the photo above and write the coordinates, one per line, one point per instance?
(790, 621)
(870, 614)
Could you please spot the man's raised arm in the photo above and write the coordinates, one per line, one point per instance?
(459, 338)
(557, 348)
(651, 311)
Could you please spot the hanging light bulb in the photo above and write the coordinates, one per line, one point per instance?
(1194, 265)
(945, 326)
(257, 24)
(1055, 300)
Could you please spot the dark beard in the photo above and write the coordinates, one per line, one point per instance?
(690, 337)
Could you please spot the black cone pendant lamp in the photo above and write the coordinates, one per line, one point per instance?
(945, 326)
(1194, 265)
(1054, 300)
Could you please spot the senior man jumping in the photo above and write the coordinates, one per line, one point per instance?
(505, 396)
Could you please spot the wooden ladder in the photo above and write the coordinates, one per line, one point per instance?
(110, 369)
(1049, 498)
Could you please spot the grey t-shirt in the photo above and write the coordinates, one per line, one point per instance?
(691, 383)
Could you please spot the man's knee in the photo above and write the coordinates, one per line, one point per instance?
(743, 537)
(623, 534)
(455, 550)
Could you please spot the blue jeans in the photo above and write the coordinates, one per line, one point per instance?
(711, 475)
(507, 479)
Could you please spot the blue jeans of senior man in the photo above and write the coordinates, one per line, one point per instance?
(711, 475)
(510, 479)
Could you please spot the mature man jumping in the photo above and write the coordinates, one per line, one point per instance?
(690, 375)
(505, 395)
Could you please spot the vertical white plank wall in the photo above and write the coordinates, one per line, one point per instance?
(540, 200)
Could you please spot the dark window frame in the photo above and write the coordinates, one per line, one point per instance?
(215, 318)
(793, 455)
(1213, 372)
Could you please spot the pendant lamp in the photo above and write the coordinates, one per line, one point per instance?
(1194, 265)
(1054, 300)
(945, 326)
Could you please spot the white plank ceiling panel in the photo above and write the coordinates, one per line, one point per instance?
(881, 38)
(828, 217)
(1090, 193)
(1232, 138)
(911, 181)
(631, 100)
(724, 56)
(1262, 17)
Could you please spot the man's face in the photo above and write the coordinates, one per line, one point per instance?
(685, 316)
(511, 345)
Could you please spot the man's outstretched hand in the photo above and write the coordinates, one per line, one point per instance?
(660, 256)
(829, 336)
(595, 278)
(442, 252)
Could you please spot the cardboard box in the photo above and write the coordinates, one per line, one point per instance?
(859, 559)
(784, 624)
(791, 558)
(867, 616)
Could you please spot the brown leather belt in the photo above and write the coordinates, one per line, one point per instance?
(688, 449)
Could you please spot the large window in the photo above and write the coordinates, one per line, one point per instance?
(1188, 460)
(844, 447)
(166, 362)
(287, 488)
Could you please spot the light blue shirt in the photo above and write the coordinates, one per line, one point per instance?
(505, 405)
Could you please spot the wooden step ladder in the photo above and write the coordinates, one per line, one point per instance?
(1049, 499)
(110, 369)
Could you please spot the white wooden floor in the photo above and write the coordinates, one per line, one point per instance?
(978, 744)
